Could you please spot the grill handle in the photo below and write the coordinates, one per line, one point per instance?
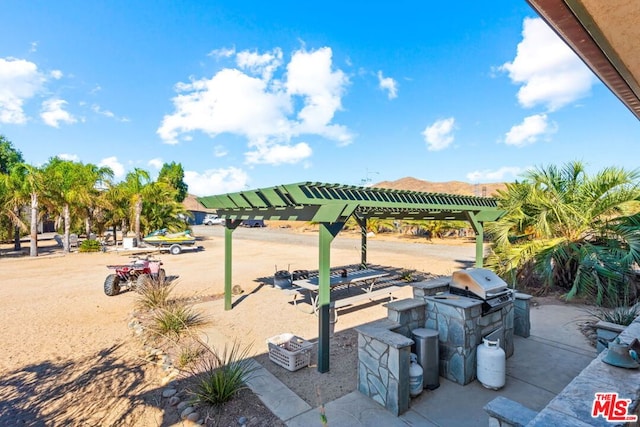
(498, 294)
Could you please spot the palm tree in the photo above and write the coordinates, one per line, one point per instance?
(162, 210)
(71, 187)
(29, 184)
(93, 180)
(136, 187)
(566, 229)
(12, 202)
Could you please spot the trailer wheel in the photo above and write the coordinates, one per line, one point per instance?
(175, 249)
(112, 285)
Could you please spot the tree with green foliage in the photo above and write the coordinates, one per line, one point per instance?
(9, 156)
(29, 185)
(173, 174)
(564, 229)
(135, 188)
(70, 188)
(161, 210)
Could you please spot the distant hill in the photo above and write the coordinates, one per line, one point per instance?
(450, 187)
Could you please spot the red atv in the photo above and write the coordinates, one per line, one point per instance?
(133, 275)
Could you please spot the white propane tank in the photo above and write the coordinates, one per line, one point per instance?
(415, 376)
(491, 370)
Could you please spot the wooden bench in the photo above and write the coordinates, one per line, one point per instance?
(370, 295)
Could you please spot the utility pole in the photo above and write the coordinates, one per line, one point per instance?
(366, 181)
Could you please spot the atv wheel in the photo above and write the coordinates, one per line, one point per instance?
(162, 276)
(112, 285)
(175, 250)
(142, 281)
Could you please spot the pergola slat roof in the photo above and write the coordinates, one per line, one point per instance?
(331, 205)
(322, 202)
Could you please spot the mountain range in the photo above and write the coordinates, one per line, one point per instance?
(449, 187)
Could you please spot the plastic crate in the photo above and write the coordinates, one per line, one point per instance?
(290, 351)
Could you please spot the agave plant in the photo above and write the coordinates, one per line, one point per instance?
(217, 376)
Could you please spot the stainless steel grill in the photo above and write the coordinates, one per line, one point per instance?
(482, 284)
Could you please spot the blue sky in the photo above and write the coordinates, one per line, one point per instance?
(254, 94)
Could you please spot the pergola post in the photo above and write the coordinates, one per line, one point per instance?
(328, 231)
(362, 222)
(479, 246)
(229, 226)
(478, 227)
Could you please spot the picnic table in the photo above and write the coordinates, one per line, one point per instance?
(364, 279)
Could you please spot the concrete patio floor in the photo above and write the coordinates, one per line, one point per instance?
(541, 366)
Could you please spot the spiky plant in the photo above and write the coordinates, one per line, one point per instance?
(218, 376)
(566, 230)
(176, 319)
(154, 293)
(623, 315)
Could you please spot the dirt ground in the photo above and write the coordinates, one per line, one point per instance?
(69, 357)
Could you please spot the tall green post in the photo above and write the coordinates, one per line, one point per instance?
(229, 227)
(362, 222)
(479, 246)
(328, 231)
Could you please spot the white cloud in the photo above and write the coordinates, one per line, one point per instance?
(71, 157)
(249, 101)
(216, 181)
(115, 165)
(56, 74)
(220, 151)
(264, 64)
(549, 71)
(97, 109)
(20, 80)
(156, 163)
(530, 130)
(505, 173)
(279, 154)
(33, 47)
(53, 113)
(310, 75)
(439, 135)
(222, 53)
(388, 84)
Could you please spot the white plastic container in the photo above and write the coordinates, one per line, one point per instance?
(415, 376)
(491, 369)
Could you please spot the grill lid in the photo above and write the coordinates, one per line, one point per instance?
(483, 283)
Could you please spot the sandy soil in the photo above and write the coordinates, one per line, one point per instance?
(69, 357)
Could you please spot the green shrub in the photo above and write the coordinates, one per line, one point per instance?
(189, 355)
(619, 315)
(90, 246)
(176, 319)
(154, 293)
(217, 377)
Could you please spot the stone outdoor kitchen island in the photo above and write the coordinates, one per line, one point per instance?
(384, 346)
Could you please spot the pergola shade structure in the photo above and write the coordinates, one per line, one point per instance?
(331, 205)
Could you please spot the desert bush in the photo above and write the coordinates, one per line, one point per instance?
(154, 293)
(218, 376)
(90, 245)
(188, 355)
(623, 315)
(175, 320)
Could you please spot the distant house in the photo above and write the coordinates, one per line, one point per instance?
(197, 210)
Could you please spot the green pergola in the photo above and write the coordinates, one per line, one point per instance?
(331, 205)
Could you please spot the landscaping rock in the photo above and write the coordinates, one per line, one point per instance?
(168, 392)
